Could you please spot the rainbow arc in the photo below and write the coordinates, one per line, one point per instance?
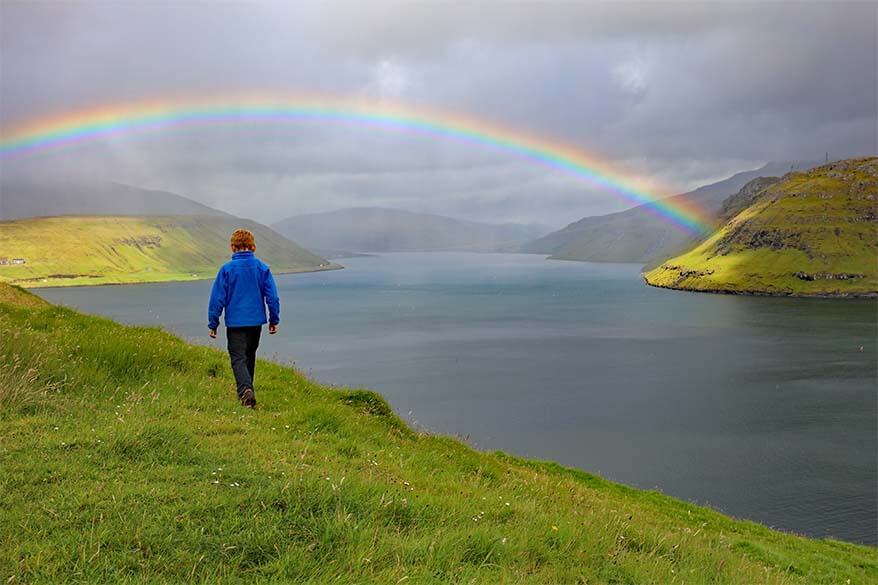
(92, 124)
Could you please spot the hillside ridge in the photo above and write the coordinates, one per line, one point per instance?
(812, 233)
(23, 199)
(637, 234)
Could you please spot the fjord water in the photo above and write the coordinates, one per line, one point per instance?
(764, 408)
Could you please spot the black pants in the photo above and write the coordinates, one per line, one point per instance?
(243, 342)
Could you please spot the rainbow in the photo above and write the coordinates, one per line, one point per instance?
(84, 125)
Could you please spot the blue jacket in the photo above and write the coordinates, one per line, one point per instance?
(243, 287)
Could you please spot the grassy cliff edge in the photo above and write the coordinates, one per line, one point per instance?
(123, 457)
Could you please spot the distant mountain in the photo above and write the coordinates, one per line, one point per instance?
(20, 199)
(377, 229)
(812, 233)
(80, 250)
(637, 235)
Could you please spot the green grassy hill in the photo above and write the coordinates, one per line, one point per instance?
(811, 234)
(125, 458)
(72, 250)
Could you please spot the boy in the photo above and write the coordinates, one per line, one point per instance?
(243, 287)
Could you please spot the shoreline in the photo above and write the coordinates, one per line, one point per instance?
(331, 266)
(744, 293)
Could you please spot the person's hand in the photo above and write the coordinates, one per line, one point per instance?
(212, 333)
(272, 328)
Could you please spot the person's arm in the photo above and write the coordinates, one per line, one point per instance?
(269, 293)
(217, 301)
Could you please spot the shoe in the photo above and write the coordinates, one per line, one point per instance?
(248, 399)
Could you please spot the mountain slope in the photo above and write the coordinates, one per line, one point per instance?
(21, 199)
(73, 250)
(126, 459)
(811, 234)
(376, 229)
(637, 235)
(747, 196)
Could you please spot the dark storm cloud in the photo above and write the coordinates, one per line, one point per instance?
(683, 93)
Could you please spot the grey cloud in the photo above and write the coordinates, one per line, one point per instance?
(684, 93)
(425, 27)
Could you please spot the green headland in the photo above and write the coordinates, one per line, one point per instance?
(813, 233)
(87, 250)
(124, 457)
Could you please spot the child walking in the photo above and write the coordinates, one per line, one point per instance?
(243, 288)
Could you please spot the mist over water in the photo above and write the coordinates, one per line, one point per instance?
(764, 408)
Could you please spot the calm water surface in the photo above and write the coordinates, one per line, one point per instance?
(764, 408)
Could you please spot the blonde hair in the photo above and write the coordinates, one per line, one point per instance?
(243, 240)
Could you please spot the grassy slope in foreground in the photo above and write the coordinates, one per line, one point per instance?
(811, 234)
(123, 457)
(77, 250)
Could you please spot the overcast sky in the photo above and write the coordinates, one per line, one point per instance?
(682, 94)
